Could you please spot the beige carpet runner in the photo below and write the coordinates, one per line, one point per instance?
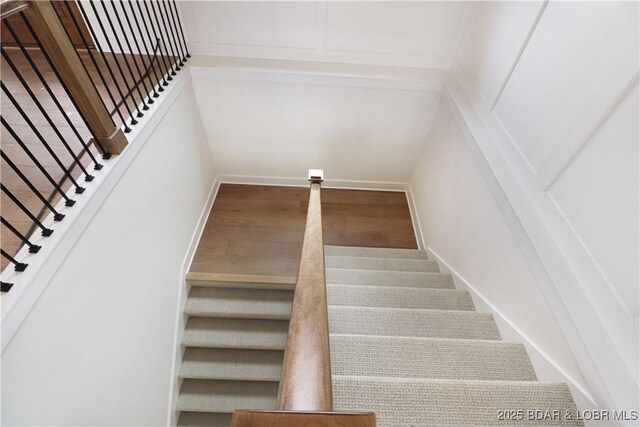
(405, 344)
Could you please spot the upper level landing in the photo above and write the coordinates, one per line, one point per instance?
(258, 230)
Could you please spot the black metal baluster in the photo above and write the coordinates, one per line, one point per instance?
(133, 57)
(115, 57)
(97, 143)
(168, 47)
(152, 58)
(32, 248)
(173, 31)
(40, 137)
(161, 45)
(46, 232)
(106, 62)
(184, 39)
(17, 266)
(35, 161)
(5, 287)
(96, 165)
(124, 56)
(68, 201)
(95, 64)
(35, 100)
(33, 158)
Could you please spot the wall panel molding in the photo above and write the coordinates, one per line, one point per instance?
(574, 288)
(615, 90)
(310, 38)
(514, 64)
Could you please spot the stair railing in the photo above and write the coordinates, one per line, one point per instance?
(305, 383)
(55, 54)
(305, 395)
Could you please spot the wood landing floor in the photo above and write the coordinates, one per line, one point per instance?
(258, 230)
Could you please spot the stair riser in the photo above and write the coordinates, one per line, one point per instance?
(226, 396)
(236, 333)
(375, 252)
(239, 303)
(416, 323)
(203, 419)
(429, 358)
(398, 297)
(387, 264)
(232, 364)
(445, 402)
(389, 278)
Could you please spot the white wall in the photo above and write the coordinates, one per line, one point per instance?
(97, 347)
(549, 91)
(409, 34)
(280, 124)
(467, 233)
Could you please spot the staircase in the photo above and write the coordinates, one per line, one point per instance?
(234, 338)
(404, 344)
(408, 346)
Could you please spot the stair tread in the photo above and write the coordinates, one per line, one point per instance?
(412, 322)
(344, 276)
(375, 252)
(437, 358)
(388, 264)
(236, 333)
(408, 401)
(399, 297)
(232, 364)
(226, 396)
(239, 303)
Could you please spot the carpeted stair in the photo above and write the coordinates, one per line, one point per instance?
(405, 344)
(408, 346)
(234, 343)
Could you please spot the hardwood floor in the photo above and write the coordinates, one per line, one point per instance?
(9, 146)
(259, 229)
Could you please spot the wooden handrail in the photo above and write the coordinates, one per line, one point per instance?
(305, 384)
(55, 41)
(305, 395)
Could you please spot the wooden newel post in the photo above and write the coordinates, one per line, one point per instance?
(55, 41)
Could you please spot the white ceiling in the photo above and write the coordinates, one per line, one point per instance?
(412, 34)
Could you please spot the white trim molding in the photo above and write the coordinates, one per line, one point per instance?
(568, 279)
(543, 363)
(184, 287)
(304, 182)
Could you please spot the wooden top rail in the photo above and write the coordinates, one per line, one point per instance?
(305, 395)
(73, 75)
(306, 371)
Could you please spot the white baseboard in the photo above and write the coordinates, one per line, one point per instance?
(183, 291)
(303, 182)
(546, 368)
(415, 218)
